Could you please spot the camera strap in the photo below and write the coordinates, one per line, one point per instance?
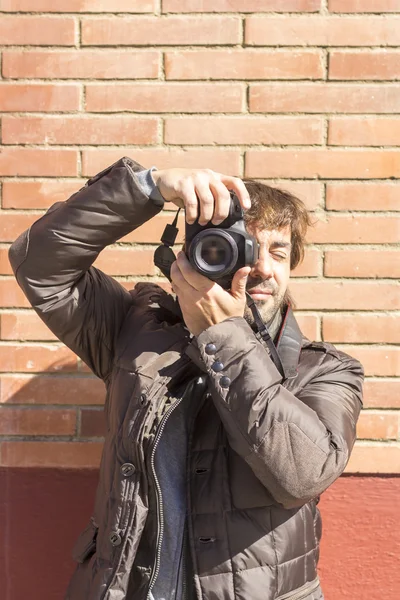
(164, 255)
(263, 331)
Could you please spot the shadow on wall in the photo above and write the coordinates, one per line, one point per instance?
(51, 425)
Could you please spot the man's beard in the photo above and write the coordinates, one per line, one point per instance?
(270, 311)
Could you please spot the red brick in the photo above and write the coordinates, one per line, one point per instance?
(77, 6)
(31, 161)
(240, 6)
(5, 267)
(92, 423)
(369, 196)
(324, 163)
(378, 425)
(309, 325)
(37, 31)
(80, 130)
(18, 421)
(383, 131)
(311, 265)
(39, 97)
(51, 454)
(36, 358)
(318, 30)
(364, 6)
(377, 65)
(38, 194)
(355, 229)
(11, 294)
(126, 261)
(223, 161)
(310, 192)
(374, 457)
(165, 97)
(376, 360)
(345, 295)
(244, 64)
(24, 326)
(361, 328)
(379, 262)
(167, 31)
(244, 130)
(382, 393)
(324, 98)
(49, 390)
(81, 64)
(12, 225)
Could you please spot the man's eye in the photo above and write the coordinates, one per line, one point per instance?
(279, 256)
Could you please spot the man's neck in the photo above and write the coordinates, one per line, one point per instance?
(273, 325)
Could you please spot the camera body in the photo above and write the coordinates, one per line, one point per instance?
(218, 251)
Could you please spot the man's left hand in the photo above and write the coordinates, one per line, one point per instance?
(203, 302)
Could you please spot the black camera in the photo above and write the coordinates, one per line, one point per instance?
(218, 251)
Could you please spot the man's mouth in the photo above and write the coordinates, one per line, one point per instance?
(259, 293)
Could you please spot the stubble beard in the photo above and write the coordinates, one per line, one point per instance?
(268, 309)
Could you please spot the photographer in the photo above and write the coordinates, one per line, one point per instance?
(219, 441)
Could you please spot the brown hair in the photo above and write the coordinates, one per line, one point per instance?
(272, 208)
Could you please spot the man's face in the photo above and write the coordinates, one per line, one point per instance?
(269, 277)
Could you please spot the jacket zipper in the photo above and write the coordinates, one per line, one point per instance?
(184, 550)
(128, 489)
(160, 508)
(302, 593)
(127, 493)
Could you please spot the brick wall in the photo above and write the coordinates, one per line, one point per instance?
(301, 93)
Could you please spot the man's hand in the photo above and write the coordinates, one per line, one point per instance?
(203, 302)
(201, 192)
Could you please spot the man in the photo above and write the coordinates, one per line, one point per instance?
(213, 460)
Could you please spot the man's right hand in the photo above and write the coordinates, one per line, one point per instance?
(201, 192)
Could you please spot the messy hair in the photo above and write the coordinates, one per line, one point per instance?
(272, 208)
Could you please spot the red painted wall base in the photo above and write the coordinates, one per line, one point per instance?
(43, 510)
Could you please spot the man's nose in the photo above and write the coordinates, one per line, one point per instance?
(263, 268)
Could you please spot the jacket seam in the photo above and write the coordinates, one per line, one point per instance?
(349, 360)
(230, 552)
(285, 562)
(131, 171)
(303, 519)
(26, 252)
(275, 554)
(256, 447)
(101, 340)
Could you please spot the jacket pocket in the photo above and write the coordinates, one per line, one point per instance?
(302, 593)
(85, 545)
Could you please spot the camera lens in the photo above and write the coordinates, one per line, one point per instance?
(214, 253)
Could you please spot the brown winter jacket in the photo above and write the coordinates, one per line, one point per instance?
(262, 448)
